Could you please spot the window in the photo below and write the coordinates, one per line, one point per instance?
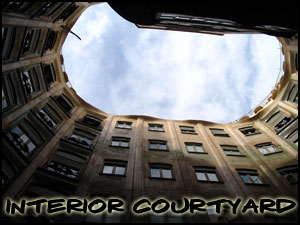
(290, 173)
(161, 171)
(231, 150)
(8, 6)
(206, 174)
(187, 130)
(123, 125)
(29, 81)
(8, 40)
(8, 171)
(82, 138)
(48, 9)
(156, 127)
(120, 142)
(31, 40)
(46, 118)
(282, 123)
(198, 24)
(67, 12)
(218, 132)
(50, 40)
(249, 176)
(49, 74)
(66, 163)
(91, 121)
(8, 92)
(21, 140)
(5, 100)
(114, 167)
(49, 116)
(194, 147)
(268, 148)
(64, 102)
(293, 137)
(279, 121)
(157, 145)
(247, 131)
(293, 94)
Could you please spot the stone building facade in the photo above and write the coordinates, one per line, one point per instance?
(56, 144)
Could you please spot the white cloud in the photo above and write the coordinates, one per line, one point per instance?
(121, 69)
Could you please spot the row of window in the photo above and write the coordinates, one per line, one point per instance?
(27, 141)
(49, 11)
(34, 41)
(22, 85)
(69, 164)
(203, 174)
(230, 150)
(284, 125)
(188, 129)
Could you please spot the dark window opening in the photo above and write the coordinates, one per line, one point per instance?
(49, 73)
(92, 122)
(249, 131)
(51, 38)
(64, 103)
(290, 173)
(31, 40)
(67, 12)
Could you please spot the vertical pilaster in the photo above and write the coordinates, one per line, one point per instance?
(260, 125)
(292, 110)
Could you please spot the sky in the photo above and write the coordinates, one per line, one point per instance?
(124, 70)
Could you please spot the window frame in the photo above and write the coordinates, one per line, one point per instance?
(291, 136)
(245, 129)
(115, 164)
(156, 127)
(9, 171)
(78, 136)
(46, 74)
(47, 118)
(29, 127)
(35, 82)
(220, 132)
(187, 129)
(124, 125)
(50, 44)
(67, 12)
(193, 145)
(9, 92)
(59, 158)
(8, 40)
(267, 150)
(205, 170)
(63, 99)
(231, 148)
(158, 143)
(120, 140)
(92, 119)
(277, 118)
(161, 167)
(250, 173)
(33, 42)
(293, 94)
(287, 171)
